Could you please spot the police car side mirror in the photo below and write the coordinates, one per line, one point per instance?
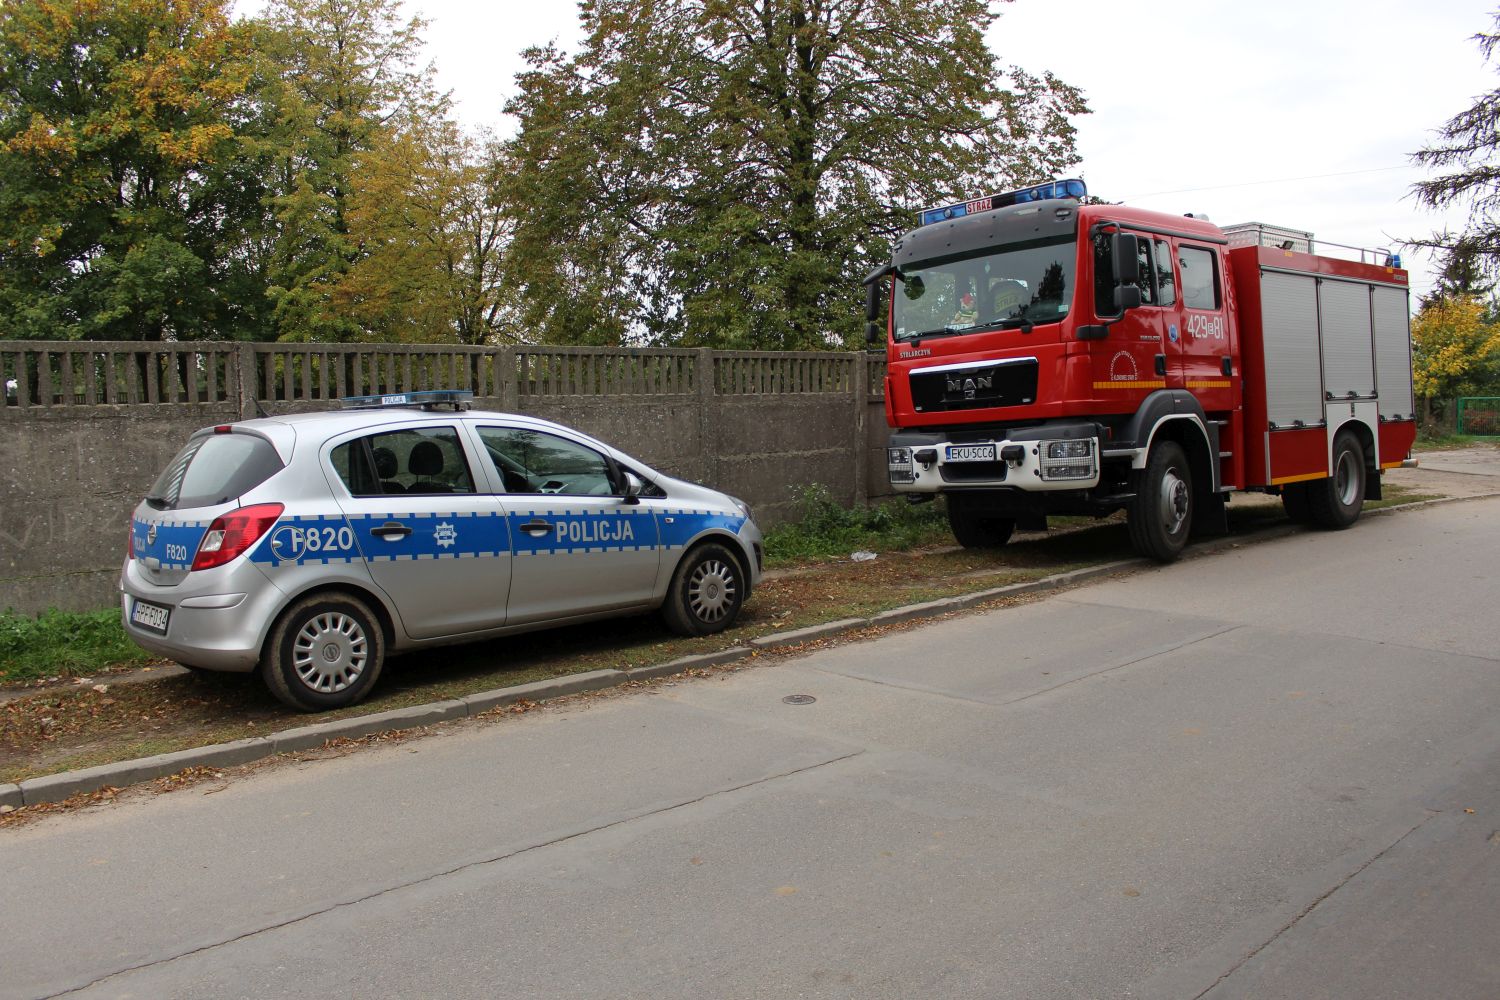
(633, 487)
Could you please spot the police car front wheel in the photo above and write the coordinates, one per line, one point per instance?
(325, 652)
(706, 593)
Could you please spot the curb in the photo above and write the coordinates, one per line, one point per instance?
(56, 787)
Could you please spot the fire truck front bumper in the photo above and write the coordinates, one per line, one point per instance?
(1050, 457)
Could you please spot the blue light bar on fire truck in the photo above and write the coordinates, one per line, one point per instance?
(1070, 188)
(457, 398)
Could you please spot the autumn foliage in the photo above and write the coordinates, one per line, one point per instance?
(714, 173)
(1455, 349)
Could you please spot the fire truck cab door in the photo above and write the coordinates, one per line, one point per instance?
(1198, 344)
(1135, 361)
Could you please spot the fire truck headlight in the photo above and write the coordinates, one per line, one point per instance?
(1068, 460)
(898, 463)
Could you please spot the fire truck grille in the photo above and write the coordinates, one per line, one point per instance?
(972, 388)
(973, 472)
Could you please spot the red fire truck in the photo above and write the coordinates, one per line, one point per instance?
(1050, 356)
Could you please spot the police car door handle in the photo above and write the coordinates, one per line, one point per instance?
(391, 530)
(537, 527)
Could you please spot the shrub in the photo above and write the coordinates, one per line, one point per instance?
(826, 528)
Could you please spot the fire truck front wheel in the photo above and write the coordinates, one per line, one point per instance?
(1335, 502)
(1161, 514)
(975, 527)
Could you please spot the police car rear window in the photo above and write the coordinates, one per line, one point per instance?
(214, 469)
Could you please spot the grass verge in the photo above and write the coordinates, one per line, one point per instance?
(64, 644)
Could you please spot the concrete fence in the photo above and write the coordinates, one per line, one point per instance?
(86, 426)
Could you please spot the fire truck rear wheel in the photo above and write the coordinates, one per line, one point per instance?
(975, 529)
(1294, 500)
(1161, 514)
(1335, 502)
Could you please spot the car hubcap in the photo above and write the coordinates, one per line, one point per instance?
(330, 652)
(711, 591)
(1174, 502)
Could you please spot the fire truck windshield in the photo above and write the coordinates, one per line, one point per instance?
(1018, 285)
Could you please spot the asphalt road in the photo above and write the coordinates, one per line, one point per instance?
(1269, 772)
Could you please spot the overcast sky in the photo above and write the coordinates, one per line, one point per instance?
(1243, 111)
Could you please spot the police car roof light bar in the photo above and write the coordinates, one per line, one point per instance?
(1066, 188)
(459, 399)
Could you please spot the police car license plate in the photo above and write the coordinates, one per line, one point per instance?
(151, 617)
(971, 453)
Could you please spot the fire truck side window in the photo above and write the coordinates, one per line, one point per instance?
(1166, 285)
(1200, 278)
(1147, 285)
(1104, 288)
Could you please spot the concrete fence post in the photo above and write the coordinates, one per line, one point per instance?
(708, 414)
(245, 381)
(860, 389)
(509, 388)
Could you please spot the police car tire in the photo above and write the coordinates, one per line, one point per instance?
(707, 592)
(344, 619)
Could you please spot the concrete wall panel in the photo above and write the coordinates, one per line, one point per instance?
(73, 471)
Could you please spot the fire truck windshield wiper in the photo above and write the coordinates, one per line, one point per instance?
(939, 332)
(1009, 323)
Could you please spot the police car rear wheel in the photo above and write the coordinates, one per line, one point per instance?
(325, 652)
(706, 593)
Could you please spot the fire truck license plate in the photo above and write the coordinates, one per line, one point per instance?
(971, 453)
(150, 616)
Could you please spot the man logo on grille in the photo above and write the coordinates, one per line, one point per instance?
(969, 386)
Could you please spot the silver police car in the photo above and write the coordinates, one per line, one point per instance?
(310, 547)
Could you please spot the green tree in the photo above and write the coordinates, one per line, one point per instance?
(119, 215)
(1465, 153)
(429, 217)
(723, 172)
(343, 81)
(1455, 351)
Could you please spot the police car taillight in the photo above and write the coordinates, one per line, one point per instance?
(231, 536)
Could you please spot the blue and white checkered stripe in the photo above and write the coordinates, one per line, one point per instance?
(172, 537)
(679, 527)
(629, 529)
(322, 539)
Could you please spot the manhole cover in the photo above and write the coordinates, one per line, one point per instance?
(799, 699)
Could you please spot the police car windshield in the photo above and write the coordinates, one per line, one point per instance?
(214, 469)
(1019, 285)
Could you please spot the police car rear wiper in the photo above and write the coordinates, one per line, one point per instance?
(156, 503)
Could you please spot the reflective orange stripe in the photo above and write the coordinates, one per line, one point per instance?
(1130, 385)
